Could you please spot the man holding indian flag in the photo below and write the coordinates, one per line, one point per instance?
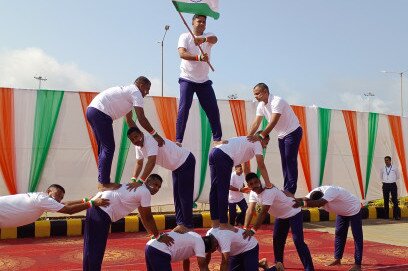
(194, 48)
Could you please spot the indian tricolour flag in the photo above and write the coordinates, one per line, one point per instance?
(202, 7)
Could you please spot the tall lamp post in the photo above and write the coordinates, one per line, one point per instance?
(400, 74)
(166, 28)
(368, 95)
(40, 79)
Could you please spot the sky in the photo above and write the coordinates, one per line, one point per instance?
(316, 52)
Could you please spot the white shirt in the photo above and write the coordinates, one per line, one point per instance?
(232, 242)
(339, 200)
(116, 102)
(195, 71)
(288, 122)
(21, 209)
(240, 149)
(280, 204)
(185, 246)
(236, 181)
(390, 174)
(123, 202)
(170, 156)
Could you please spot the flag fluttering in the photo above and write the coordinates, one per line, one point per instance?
(203, 7)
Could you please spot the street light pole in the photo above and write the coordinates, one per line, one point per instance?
(166, 28)
(368, 95)
(40, 79)
(400, 74)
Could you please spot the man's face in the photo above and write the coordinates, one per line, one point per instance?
(387, 161)
(238, 171)
(137, 139)
(153, 185)
(199, 24)
(259, 93)
(144, 88)
(255, 185)
(55, 193)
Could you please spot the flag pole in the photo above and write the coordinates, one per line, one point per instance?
(201, 50)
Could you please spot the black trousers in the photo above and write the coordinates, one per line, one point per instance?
(388, 188)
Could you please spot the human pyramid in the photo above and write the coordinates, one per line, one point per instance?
(238, 246)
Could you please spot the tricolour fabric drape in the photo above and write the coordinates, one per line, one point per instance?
(350, 119)
(205, 149)
(123, 149)
(372, 137)
(7, 152)
(300, 112)
(397, 134)
(324, 116)
(86, 99)
(46, 114)
(263, 126)
(238, 112)
(166, 108)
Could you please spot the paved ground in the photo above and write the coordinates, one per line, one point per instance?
(385, 231)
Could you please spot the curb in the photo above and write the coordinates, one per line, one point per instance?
(75, 226)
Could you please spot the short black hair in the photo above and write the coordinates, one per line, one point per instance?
(155, 176)
(143, 80)
(389, 157)
(199, 15)
(250, 176)
(316, 195)
(57, 186)
(260, 131)
(239, 165)
(208, 241)
(132, 130)
(263, 86)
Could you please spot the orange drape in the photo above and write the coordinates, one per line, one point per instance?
(86, 99)
(350, 118)
(396, 129)
(7, 154)
(166, 108)
(300, 112)
(239, 117)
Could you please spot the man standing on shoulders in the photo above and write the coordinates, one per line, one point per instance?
(389, 176)
(194, 78)
(108, 106)
(280, 117)
(347, 207)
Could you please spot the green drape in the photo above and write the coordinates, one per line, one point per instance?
(123, 149)
(372, 137)
(324, 116)
(205, 149)
(46, 114)
(263, 126)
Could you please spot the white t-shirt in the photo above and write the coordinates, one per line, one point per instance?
(236, 181)
(116, 102)
(170, 156)
(288, 122)
(240, 149)
(21, 209)
(339, 200)
(390, 174)
(280, 204)
(232, 242)
(195, 71)
(185, 246)
(123, 202)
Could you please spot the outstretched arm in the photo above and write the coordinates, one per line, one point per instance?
(78, 207)
(255, 125)
(144, 122)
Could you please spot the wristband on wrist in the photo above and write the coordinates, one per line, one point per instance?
(302, 203)
(261, 136)
(84, 200)
(91, 203)
(205, 39)
(252, 230)
(153, 132)
(133, 179)
(140, 181)
(197, 57)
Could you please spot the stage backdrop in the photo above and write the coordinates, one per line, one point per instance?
(45, 139)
